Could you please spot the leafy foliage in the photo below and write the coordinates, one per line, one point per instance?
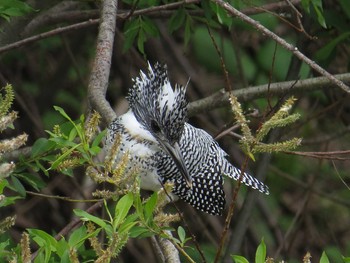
(139, 29)
(316, 7)
(75, 144)
(7, 146)
(13, 8)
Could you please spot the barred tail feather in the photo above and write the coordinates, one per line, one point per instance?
(247, 179)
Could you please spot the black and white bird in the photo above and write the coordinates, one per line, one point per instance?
(165, 148)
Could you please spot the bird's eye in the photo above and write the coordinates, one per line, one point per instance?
(155, 127)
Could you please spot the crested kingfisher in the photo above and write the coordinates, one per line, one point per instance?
(165, 148)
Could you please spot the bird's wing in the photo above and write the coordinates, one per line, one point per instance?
(202, 162)
(206, 163)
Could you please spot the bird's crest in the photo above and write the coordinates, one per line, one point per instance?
(156, 105)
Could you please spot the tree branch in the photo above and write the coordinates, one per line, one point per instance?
(102, 63)
(168, 250)
(47, 34)
(156, 11)
(234, 12)
(221, 98)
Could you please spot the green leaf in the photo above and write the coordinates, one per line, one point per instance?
(63, 113)
(18, 186)
(325, 52)
(122, 209)
(73, 134)
(324, 258)
(41, 167)
(3, 245)
(239, 259)
(126, 227)
(62, 157)
(140, 232)
(149, 27)
(181, 233)
(222, 16)
(150, 205)
(109, 230)
(317, 5)
(41, 146)
(260, 255)
(188, 29)
(9, 8)
(138, 205)
(9, 200)
(45, 241)
(346, 259)
(177, 20)
(98, 138)
(76, 236)
(33, 180)
(62, 247)
(63, 142)
(94, 150)
(3, 183)
(306, 5)
(131, 30)
(320, 17)
(251, 156)
(207, 8)
(141, 39)
(85, 216)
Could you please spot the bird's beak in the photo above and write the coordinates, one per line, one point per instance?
(175, 153)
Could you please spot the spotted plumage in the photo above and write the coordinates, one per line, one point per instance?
(166, 148)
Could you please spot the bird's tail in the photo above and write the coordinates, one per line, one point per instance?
(247, 179)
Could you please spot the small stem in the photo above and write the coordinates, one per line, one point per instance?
(230, 212)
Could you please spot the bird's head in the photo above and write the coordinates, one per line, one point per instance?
(161, 109)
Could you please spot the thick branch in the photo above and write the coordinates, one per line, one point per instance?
(234, 12)
(221, 98)
(102, 63)
(168, 250)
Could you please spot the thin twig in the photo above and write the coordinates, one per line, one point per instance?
(223, 65)
(341, 179)
(299, 214)
(232, 11)
(230, 212)
(323, 155)
(51, 33)
(269, 7)
(314, 190)
(64, 198)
